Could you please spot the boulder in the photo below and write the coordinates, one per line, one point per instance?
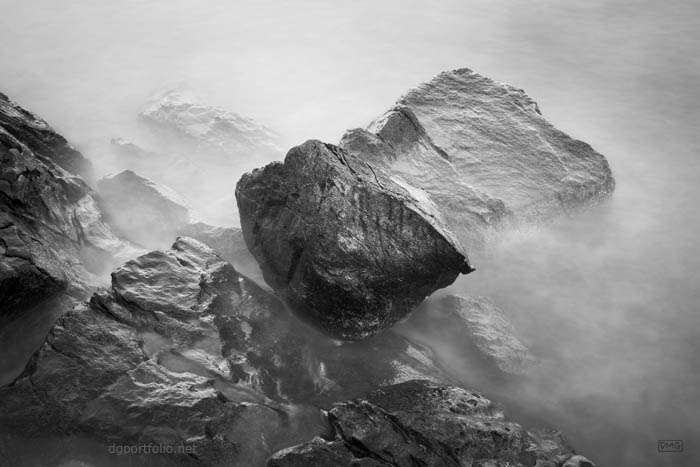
(131, 152)
(182, 349)
(141, 210)
(52, 235)
(484, 153)
(423, 423)
(208, 129)
(226, 241)
(473, 326)
(41, 139)
(351, 248)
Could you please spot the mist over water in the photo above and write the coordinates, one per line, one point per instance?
(607, 299)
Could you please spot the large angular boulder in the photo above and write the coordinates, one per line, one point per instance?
(52, 235)
(182, 349)
(422, 423)
(41, 139)
(141, 210)
(484, 153)
(349, 247)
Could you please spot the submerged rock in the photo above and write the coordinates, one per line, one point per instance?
(131, 152)
(423, 423)
(52, 236)
(475, 326)
(349, 247)
(41, 139)
(208, 128)
(226, 241)
(183, 349)
(484, 153)
(143, 211)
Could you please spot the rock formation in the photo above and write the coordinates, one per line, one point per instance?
(476, 326)
(208, 128)
(41, 139)
(52, 236)
(226, 241)
(484, 153)
(183, 349)
(349, 247)
(423, 423)
(145, 212)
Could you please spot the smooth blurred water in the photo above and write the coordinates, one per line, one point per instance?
(608, 299)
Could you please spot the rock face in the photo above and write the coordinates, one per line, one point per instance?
(348, 247)
(183, 349)
(144, 212)
(41, 139)
(52, 236)
(423, 423)
(483, 152)
(476, 326)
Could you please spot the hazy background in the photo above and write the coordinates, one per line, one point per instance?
(608, 300)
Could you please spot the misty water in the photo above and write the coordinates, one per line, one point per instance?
(607, 298)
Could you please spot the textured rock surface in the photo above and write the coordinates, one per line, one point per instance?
(145, 212)
(484, 153)
(422, 423)
(350, 248)
(52, 236)
(41, 139)
(226, 241)
(209, 128)
(477, 326)
(183, 349)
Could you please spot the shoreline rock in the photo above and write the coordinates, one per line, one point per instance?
(423, 423)
(52, 235)
(41, 139)
(349, 247)
(476, 327)
(484, 153)
(143, 211)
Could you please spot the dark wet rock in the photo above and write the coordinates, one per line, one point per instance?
(52, 235)
(476, 326)
(349, 247)
(484, 153)
(143, 362)
(141, 210)
(183, 349)
(41, 139)
(423, 423)
(229, 243)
